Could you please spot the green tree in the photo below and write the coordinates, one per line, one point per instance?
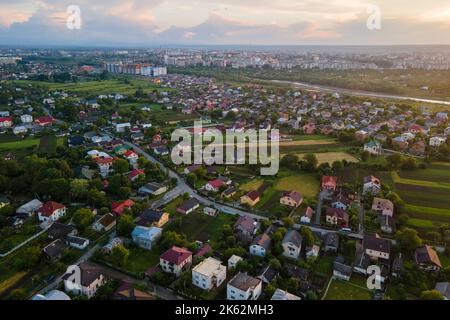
(83, 218)
(121, 166)
(119, 255)
(311, 161)
(408, 239)
(431, 295)
(125, 225)
(79, 188)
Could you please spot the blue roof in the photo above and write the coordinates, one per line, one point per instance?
(144, 232)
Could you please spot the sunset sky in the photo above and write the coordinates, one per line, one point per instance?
(247, 22)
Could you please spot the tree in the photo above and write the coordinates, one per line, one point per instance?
(97, 198)
(18, 294)
(310, 161)
(288, 222)
(79, 188)
(29, 258)
(395, 161)
(83, 218)
(275, 263)
(125, 225)
(121, 166)
(308, 235)
(191, 179)
(408, 239)
(119, 255)
(431, 295)
(290, 161)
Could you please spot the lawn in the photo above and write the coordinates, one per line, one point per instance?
(19, 144)
(139, 260)
(342, 290)
(198, 226)
(254, 184)
(437, 173)
(88, 88)
(433, 214)
(307, 184)
(324, 266)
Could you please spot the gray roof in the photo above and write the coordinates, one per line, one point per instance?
(443, 288)
(331, 239)
(243, 281)
(294, 237)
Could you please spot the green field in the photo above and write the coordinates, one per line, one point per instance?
(47, 145)
(198, 226)
(99, 87)
(161, 114)
(19, 144)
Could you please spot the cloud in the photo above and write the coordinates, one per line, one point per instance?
(145, 22)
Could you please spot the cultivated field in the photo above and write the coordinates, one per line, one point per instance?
(330, 157)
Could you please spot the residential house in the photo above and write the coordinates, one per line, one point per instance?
(54, 250)
(175, 260)
(291, 198)
(329, 183)
(251, 198)
(437, 141)
(146, 237)
(209, 274)
(119, 207)
(210, 211)
(418, 148)
(371, 185)
(337, 217)
(244, 287)
(105, 223)
(341, 270)
(52, 295)
(77, 242)
(51, 211)
(153, 189)
(309, 128)
(376, 247)
(312, 252)
(245, 227)
(188, 206)
(6, 122)
(260, 245)
(373, 147)
(60, 231)
(427, 259)
(307, 216)
(384, 207)
(4, 201)
(150, 217)
(284, 295)
(44, 121)
(127, 292)
(229, 192)
(331, 242)
(233, 261)
(361, 135)
(26, 118)
(135, 174)
(292, 244)
(214, 185)
(91, 278)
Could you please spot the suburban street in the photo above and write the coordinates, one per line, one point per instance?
(183, 187)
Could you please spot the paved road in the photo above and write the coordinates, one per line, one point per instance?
(357, 93)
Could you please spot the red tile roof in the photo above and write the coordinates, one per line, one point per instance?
(136, 172)
(119, 207)
(329, 180)
(49, 207)
(216, 183)
(176, 255)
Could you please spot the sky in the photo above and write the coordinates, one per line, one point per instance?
(225, 22)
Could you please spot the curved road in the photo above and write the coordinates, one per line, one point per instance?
(359, 93)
